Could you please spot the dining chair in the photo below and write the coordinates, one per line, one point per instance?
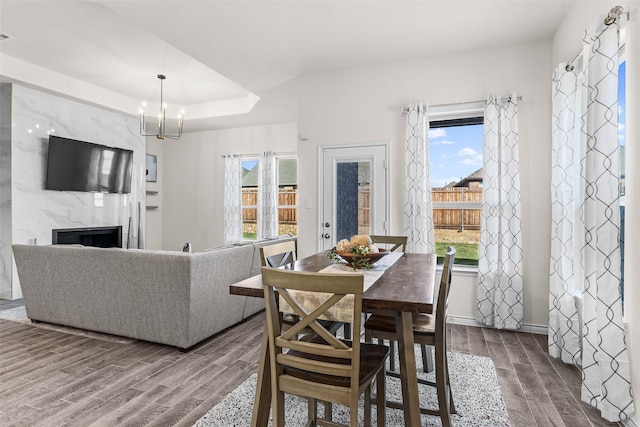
(428, 329)
(399, 243)
(281, 255)
(321, 367)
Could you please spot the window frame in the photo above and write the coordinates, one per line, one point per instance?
(256, 158)
(279, 206)
(450, 115)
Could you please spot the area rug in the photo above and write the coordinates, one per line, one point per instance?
(19, 315)
(474, 384)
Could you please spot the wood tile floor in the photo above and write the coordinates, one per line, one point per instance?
(48, 378)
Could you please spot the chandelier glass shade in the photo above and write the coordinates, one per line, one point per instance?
(160, 131)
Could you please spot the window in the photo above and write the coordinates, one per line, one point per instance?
(249, 198)
(455, 154)
(287, 175)
(287, 171)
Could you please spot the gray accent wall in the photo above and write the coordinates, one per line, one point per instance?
(32, 211)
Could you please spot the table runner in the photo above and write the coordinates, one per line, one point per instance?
(343, 310)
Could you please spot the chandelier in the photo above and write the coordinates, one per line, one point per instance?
(160, 132)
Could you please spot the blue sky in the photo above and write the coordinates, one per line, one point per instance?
(454, 153)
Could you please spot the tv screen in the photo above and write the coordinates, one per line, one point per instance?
(82, 166)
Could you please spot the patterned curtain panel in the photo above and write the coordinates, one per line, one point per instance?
(499, 302)
(564, 292)
(418, 207)
(232, 199)
(587, 268)
(267, 196)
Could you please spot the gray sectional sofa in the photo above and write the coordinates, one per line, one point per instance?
(172, 298)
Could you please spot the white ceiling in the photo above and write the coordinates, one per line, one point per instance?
(221, 56)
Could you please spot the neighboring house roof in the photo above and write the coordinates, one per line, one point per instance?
(287, 171)
(474, 177)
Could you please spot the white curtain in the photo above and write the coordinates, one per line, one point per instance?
(585, 320)
(499, 298)
(418, 207)
(232, 198)
(267, 196)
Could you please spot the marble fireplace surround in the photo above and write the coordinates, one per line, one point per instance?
(29, 212)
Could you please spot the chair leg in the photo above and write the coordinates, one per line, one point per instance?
(427, 359)
(347, 331)
(381, 398)
(442, 387)
(312, 411)
(367, 407)
(278, 409)
(328, 411)
(452, 406)
(392, 355)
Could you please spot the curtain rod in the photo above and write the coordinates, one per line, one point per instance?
(255, 155)
(504, 98)
(611, 18)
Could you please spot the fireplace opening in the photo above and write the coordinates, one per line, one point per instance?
(101, 237)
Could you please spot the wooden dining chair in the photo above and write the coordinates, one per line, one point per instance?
(399, 243)
(321, 366)
(428, 329)
(282, 255)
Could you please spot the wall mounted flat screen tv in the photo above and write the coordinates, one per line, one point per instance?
(83, 166)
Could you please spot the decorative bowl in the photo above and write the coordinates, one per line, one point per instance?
(362, 261)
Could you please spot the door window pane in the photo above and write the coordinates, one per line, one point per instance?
(353, 204)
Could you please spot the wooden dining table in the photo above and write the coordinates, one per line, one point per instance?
(404, 288)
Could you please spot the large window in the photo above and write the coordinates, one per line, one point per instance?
(287, 175)
(455, 154)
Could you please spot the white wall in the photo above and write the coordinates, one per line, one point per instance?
(363, 104)
(193, 179)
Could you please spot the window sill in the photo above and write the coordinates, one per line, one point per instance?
(461, 270)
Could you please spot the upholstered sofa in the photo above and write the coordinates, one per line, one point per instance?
(172, 298)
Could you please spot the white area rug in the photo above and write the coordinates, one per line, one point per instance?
(19, 315)
(474, 382)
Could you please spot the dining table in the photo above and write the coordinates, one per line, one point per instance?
(400, 289)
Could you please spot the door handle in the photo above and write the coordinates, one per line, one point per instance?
(326, 235)
(326, 224)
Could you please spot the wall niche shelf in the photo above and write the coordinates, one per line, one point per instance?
(152, 192)
(151, 207)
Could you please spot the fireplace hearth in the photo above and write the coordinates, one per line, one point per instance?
(101, 237)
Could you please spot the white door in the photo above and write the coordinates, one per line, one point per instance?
(354, 192)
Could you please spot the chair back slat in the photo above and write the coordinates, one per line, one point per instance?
(396, 243)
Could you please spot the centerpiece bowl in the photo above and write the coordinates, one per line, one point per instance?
(362, 261)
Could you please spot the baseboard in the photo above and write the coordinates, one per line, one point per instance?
(469, 321)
